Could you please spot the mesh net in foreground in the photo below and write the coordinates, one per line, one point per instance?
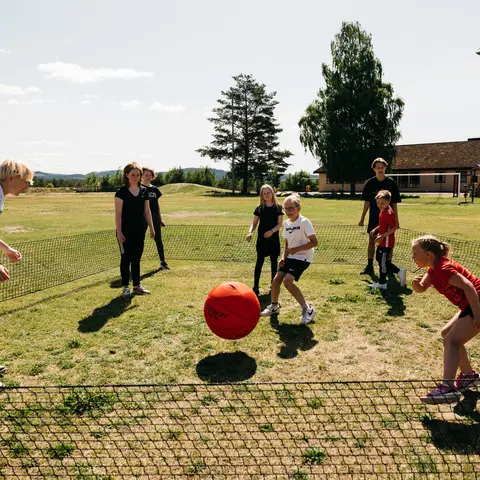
(355, 430)
(47, 263)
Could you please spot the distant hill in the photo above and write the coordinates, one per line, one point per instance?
(79, 176)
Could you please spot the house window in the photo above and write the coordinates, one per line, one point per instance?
(463, 178)
(439, 178)
(414, 180)
(402, 181)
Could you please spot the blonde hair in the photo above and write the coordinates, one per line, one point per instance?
(294, 198)
(127, 169)
(151, 170)
(429, 243)
(11, 168)
(379, 160)
(384, 194)
(267, 187)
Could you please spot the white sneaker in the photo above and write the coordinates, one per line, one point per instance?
(380, 286)
(308, 314)
(270, 310)
(402, 277)
(3, 369)
(126, 292)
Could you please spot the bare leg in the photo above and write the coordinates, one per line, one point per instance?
(276, 284)
(371, 247)
(293, 289)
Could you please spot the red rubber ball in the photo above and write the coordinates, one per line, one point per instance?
(231, 310)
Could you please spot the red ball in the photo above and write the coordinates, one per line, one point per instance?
(231, 310)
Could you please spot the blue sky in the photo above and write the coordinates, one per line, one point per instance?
(93, 85)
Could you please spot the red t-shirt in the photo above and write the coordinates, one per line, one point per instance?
(387, 221)
(441, 273)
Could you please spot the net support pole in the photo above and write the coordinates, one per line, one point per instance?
(458, 193)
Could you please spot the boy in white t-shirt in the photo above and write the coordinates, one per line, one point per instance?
(300, 241)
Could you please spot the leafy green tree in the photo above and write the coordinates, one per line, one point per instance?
(105, 183)
(116, 179)
(175, 175)
(298, 182)
(246, 132)
(355, 118)
(92, 180)
(158, 180)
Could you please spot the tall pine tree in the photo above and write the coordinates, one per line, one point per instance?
(246, 132)
(356, 116)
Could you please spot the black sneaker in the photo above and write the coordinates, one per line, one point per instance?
(368, 270)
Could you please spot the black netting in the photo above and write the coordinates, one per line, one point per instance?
(353, 430)
(47, 263)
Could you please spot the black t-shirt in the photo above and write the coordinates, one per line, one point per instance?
(132, 211)
(268, 217)
(154, 194)
(370, 190)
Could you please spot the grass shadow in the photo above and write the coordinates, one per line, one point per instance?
(101, 315)
(226, 367)
(294, 338)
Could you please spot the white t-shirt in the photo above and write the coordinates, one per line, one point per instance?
(2, 199)
(297, 234)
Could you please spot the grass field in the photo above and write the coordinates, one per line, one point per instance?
(82, 333)
(97, 338)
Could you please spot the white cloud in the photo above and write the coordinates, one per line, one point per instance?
(44, 154)
(86, 102)
(44, 143)
(25, 102)
(101, 154)
(74, 73)
(91, 96)
(5, 51)
(14, 91)
(131, 105)
(160, 107)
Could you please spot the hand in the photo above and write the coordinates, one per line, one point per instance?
(292, 250)
(360, 223)
(121, 237)
(268, 234)
(4, 274)
(373, 232)
(378, 239)
(152, 233)
(249, 237)
(162, 223)
(281, 263)
(13, 255)
(416, 284)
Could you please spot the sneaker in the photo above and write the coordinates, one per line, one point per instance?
(402, 277)
(368, 270)
(164, 266)
(270, 310)
(380, 286)
(3, 369)
(126, 292)
(465, 381)
(140, 290)
(442, 394)
(2, 385)
(308, 314)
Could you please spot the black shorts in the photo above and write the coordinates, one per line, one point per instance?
(294, 267)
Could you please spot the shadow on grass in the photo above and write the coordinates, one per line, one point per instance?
(226, 367)
(393, 296)
(117, 282)
(101, 315)
(462, 438)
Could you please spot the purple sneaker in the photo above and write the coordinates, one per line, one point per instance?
(466, 380)
(442, 394)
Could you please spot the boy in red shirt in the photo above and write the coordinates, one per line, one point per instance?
(386, 241)
(462, 288)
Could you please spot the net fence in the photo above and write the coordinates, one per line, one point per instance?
(302, 431)
(51, 262)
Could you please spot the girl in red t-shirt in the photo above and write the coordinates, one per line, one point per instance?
(462, 289)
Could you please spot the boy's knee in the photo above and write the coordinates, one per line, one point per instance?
(288, 282)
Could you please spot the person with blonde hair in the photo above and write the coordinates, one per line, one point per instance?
(132, 210)
(15, 178)
(300, 241)
(462, 288)
(268, 215)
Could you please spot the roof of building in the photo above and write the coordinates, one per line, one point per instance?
(436, 156)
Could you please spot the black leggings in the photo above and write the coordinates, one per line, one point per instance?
(259, 265)
(386, 266)
(158, 235)
(131, 252)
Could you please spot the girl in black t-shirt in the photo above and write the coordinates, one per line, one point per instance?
(132, 209)
(270, 215)
(153, 195)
